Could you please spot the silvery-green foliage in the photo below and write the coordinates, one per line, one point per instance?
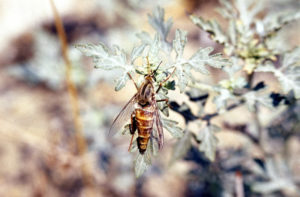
(145, 37)
(137, 52)
(154, 51)
(248, 37)
(208, 141)
(291, 58)
(289, 73)
(248, 10)
(157, 21)
(107, 59)
(163, 107)
(172, 127)
(254, 97)
(179, 42)
(279, 179)
(184, 67)
(252, 44)
(196, 62)
(233, 83)
(274, 22)
(47, 66)
(277, 44)
(222, 97)
(211, 26)
(237, 65)
(202, 57)
(181, 147)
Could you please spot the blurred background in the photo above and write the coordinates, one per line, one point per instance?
(38, 147)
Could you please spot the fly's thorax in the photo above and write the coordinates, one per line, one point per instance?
(146, 94)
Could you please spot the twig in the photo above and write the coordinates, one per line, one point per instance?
(194, 136)
(72, 91)
(258, 126)
(208, 117)
(239, 186)
(189, 116)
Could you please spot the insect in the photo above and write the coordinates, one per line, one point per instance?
(143, 113)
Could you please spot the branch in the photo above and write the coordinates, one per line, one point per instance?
(208, 117)
(189, 116)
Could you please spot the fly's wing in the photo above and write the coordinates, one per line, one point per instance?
(159, 128)
(122, 117)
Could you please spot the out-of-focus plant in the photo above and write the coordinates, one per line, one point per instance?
(250, 43)
(47, 65)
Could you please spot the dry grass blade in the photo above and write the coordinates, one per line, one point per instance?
(71, 91)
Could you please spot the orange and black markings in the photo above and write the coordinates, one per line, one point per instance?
(144, 123)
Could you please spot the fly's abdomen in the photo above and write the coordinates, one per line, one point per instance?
(144, 121)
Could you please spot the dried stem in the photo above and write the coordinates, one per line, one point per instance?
(72, 91)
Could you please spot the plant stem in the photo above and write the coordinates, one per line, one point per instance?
(72, 91)
(258, 126)
(207, 117)
(239, 185)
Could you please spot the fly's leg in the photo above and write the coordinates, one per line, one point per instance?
(129, 75)
(162, 83)
(161, 100)
(132, 129)
(164, 100)
(148, 65)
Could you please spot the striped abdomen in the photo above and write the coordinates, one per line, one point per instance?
(144, 122)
